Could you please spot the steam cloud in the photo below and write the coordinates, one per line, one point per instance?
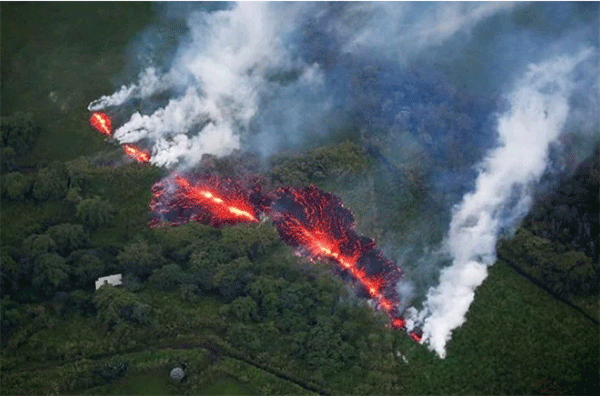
(269, 76)
(539, 108)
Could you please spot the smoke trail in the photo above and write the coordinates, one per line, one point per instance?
(539, 107)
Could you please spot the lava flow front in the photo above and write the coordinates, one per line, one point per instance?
(318, 224)
(136, 153)
(188, 198)
(101, 122)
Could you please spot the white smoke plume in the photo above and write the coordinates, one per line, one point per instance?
(400, 30)
(539, 108)
(221, 73)
(225, 72)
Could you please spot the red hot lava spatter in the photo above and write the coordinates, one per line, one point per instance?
(194, 198)
(101, 122)
(318, 224)
(136, 153)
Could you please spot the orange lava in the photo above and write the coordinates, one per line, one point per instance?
(319, 245)
(101, 122)
(415, 337)
(220, 206)
(318, 223)
(136, 153)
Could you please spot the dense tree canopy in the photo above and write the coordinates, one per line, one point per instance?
(68, 237)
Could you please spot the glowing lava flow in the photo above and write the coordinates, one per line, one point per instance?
(318, 223)
(306, 218)
(136, 153)
(182, 199)
(101, 122)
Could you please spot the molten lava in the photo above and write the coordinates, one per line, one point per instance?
(188, 198)
(136, 153)
(318, 224)
(101, 122)
(306, 218)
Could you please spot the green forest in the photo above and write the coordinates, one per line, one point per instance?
(234, 305)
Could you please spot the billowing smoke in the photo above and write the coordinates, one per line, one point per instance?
(263, 76)
(472, 101)
(223, 70)
(539, 107)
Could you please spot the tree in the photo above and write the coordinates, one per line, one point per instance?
(202, 270)
(50, 273)
(9, 271)
(116, 305)
(179, 242)
(86, 267)
(17, 185)
(7, 159)
(94, 212)
(68, 237)
(36, 245)
(18, 131)
(169, 277)
(251, 240)
(76, 171)
(73, 195)
(189, 293)
(232, 278)
(140, 259)
(51, 183)
(81, 302)
(243, 309)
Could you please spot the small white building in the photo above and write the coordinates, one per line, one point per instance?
(114, 280)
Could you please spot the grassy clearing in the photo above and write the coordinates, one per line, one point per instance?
(56, 58)
(153, 382)
(224, 387)
(517, 339)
